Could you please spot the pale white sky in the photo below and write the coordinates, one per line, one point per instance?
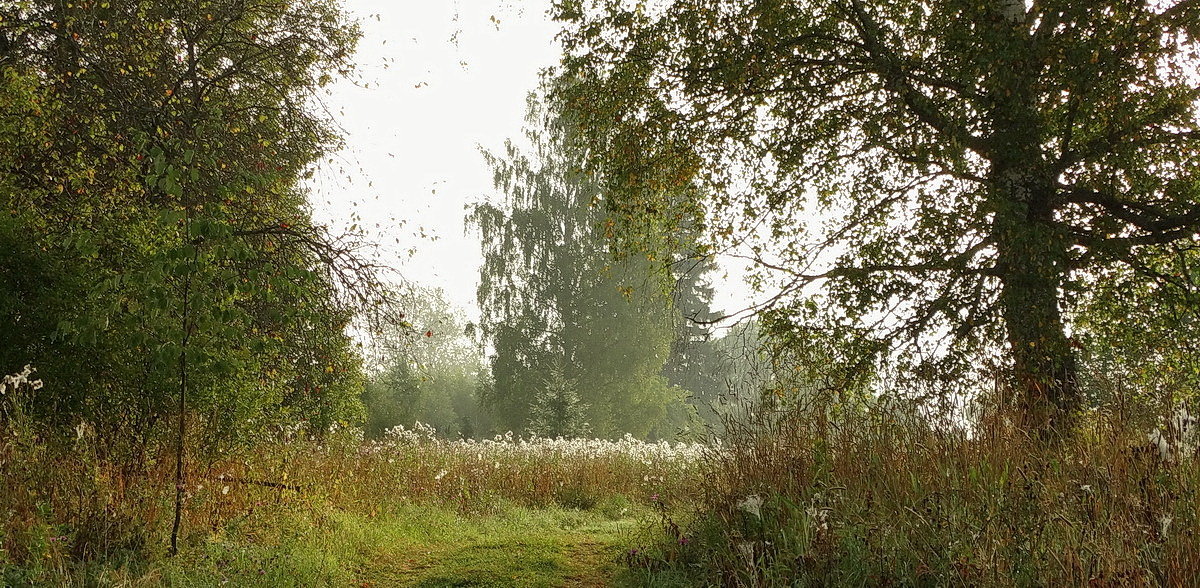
(438, 79)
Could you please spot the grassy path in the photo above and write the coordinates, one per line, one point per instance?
(519, 547)
(409, 545)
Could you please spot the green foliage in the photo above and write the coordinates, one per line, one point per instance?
(556, 410)
(553, 296)
(151, 195)
(693, 363)
(430, 372)
(1137, 330)
(946, 174)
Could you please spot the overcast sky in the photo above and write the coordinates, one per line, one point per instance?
(438, 79)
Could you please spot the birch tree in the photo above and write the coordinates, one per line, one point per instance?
(944, 175)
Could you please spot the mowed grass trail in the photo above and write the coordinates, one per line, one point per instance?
(518, 547)
(407, 510)
(418, 545)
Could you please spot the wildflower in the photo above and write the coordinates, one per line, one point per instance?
(819, 515)
(752, 504)
(746, 548)
(440, 475)
(225, 490)
(683, 541)
(654, 497)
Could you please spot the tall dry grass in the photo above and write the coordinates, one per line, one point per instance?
(817, 495)
(69, 501)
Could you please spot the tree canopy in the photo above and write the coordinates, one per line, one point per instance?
(432, 378)
(155, 216)
(949, 176)
(565, 317)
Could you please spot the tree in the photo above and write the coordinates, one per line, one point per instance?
(153, 179)
(556, 410)
(554, 297)
(430, 371)
(947, 172)
(693, 363)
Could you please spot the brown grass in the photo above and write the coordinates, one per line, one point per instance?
(69, 501)
(868, 498)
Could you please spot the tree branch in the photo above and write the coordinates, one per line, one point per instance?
(898, 81)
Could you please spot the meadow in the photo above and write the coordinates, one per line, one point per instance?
(936, 258)
(793, 497)
(330, 508)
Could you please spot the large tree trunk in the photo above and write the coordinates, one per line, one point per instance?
(1032, 248)
(1032, 268)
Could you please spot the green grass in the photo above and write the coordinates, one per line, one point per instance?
(401, 512)
(412, 545)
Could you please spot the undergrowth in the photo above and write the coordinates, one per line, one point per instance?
(812, 496)
(73, 512)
